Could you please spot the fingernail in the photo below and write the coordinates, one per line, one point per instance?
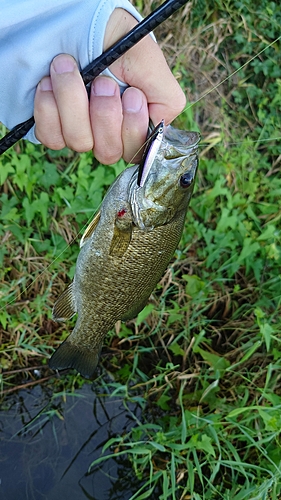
(46, 84)
(62, 64)
(104, 86)
(132, 100)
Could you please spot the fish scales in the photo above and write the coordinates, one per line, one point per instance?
(126, 249)
(125, 275)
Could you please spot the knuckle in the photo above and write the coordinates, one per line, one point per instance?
(55, 146)
(49, 134)
(79, 143)
(179, 101)
(55, 142)
(107, 156)
(81, 147)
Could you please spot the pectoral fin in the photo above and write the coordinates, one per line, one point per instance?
(65, 306)
(120, 241)
(122, 232)
(90, 229)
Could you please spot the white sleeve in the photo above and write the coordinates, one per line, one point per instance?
(32, 33)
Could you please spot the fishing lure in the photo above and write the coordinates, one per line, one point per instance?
(151, 149)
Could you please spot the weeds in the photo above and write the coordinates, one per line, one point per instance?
(203, 357)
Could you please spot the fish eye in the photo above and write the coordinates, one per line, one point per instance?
(186, 180)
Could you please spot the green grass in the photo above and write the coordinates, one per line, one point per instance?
(203, 358)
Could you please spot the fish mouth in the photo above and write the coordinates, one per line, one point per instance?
(179, 143)
(170, 143)
(181, 138)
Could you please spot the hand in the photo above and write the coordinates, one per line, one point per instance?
(112, 126)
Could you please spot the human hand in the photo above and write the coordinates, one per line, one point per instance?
(110, 125)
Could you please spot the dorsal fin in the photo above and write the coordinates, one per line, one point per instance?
(65, 306)
(90, 229)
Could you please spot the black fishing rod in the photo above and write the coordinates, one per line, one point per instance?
(104, 60)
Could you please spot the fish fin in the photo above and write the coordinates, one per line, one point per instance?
(120, 241)
(82, 359)
(65, 306)
(122, 232)
(90, 229)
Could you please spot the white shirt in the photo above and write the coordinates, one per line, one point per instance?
(33, 32)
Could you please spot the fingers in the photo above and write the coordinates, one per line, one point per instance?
(106, 119)
(48, 126)
(110, 125)
(135, 124)
(119, 127)
(62, 112)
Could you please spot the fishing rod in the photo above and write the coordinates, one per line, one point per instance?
(157, 17)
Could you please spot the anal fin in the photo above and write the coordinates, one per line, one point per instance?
(65, 306)
(82, 359)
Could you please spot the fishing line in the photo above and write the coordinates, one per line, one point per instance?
(257, 141)
(231, 75)
(51, 263)
(204, 144)
(201, 145)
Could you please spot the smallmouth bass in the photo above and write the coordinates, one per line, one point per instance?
(127, 247)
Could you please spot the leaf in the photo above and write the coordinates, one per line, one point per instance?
(226, 221)
(43, 207)
(238, 411)
(217, 362)
(266, 331)
(271, 420)
(147, 494)
(250, 248)
(201, 442)
(4, 316)
(144, 313)
(158, 446)
(29, 211)
(176, 349)
(218, 189)
(248, 354)
(5, 170)
(205, 445)
(8, 211)
(162, 402)
(194, 284)
(50, 175)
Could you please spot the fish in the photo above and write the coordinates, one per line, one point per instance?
(126, 248)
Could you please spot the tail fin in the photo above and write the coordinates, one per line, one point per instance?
(84, 360)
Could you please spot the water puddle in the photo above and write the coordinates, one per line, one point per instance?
(49, 441)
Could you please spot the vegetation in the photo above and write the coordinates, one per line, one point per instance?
(203, 358)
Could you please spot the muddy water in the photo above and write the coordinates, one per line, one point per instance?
(49, 441)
